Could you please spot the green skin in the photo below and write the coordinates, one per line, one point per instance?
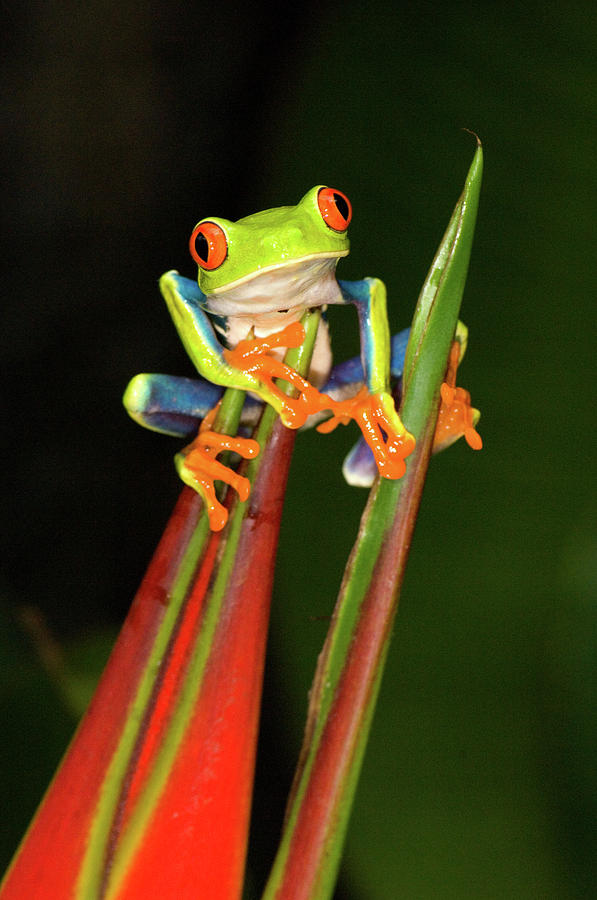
(280, 262)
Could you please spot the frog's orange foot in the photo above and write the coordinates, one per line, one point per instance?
(198, 467)
(457, 416)
(389, 445)
(253, 357)
(294, 410)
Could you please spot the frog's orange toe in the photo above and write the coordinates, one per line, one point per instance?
(213, 442)
(218, 516)
(473, 438)
(447, 392)
(243, 488)
(391, 458)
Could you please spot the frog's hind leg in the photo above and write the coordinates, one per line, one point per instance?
(186, 407)
(170, 404)
(175, 405)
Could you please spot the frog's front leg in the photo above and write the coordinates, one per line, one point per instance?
(254, 356)
(373, 407)
(248, 367)
(239, 368)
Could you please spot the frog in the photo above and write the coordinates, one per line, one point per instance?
(257, 277)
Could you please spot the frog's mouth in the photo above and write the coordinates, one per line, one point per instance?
(284, 289)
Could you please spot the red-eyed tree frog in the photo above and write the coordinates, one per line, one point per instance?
(257, 277)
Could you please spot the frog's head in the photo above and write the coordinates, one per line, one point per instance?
(252, 262)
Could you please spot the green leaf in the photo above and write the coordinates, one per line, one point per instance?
(343, 695)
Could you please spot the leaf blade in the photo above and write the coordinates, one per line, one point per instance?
(343, 695)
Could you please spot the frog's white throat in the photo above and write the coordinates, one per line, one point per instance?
(278, 295)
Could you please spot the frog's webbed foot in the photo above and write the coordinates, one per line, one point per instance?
(381, 426)
(253, 357)
(375, 414)
(198, 467)
(456, 415)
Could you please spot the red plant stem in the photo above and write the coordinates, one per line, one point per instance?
(207, 799)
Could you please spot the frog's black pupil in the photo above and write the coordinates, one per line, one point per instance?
(341, 205)
(202, 247)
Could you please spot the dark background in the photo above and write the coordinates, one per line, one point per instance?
(127, 122)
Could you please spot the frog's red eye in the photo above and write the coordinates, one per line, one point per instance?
(335, 208)
(208, 245)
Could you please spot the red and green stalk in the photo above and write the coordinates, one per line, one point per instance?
(343, 696)
(153, 796)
